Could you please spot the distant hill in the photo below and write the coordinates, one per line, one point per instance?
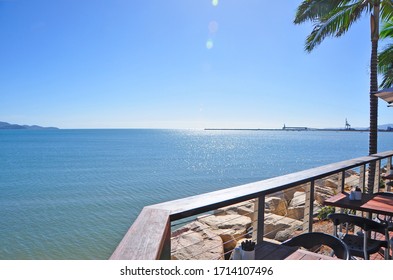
(385, 126)
(5, 125)
(388, 126)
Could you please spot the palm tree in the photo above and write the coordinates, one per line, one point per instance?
(385, 57)
(334, 18)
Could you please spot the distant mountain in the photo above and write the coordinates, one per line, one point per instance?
(5, 125)
(385, 126)
(388, 126)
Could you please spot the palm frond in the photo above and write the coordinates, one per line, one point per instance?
(385, 66)
(336, 23)
(314, 9)
(386, 55)
(387, 30)
(387, 78)
(387, 10)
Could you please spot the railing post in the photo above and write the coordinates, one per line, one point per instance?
(309, 208)
(362, 186)
(166, 248)
(341, 188)
(362, 177)
(341, 182)
(377, 176)
(388, 168)
(259, 218)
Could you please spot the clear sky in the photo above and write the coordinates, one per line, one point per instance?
(177, 64)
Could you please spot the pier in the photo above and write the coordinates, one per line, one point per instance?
(294, 128)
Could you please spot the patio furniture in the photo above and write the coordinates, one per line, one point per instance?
(361, 245)
(310, 240)
(371, 203)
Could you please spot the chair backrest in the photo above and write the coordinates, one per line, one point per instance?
(311, 239)
(364, 223)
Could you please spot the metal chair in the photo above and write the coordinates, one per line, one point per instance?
(361, 245)
(311, 239)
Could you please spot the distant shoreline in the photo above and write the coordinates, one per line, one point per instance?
(294, 129)
(7, 126)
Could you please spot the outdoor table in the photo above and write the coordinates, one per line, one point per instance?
(271, 251)
(371, 203)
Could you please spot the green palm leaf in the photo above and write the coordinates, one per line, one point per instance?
(385, 57)
(386, 10)
(335, 23)
(387, 30)
(314, 9)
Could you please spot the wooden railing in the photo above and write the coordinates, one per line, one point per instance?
(149, 236)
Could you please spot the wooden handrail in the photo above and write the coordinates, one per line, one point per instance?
(149, 236)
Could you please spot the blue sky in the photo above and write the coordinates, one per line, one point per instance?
(177, 64)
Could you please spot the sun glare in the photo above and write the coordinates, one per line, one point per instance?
(215, 2)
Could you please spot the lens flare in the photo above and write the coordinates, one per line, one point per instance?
(213, 27)
(215, 3)
(209, 44)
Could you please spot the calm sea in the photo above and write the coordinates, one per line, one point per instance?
(72, 194)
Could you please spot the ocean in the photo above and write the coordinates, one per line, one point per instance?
(72, 194)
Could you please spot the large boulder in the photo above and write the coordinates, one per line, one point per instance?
(331, 183)
(284, 234)
(299, 199)
(275, 223)
(229, 243)
(322, 193)
(352, 181)
(230, 228)
(296, 213)
(288, 194)
(195, 241)
(297, 205)
(276, 206)
(233, 224)
(245, 208)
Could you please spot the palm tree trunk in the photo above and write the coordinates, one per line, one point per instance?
(373, 137)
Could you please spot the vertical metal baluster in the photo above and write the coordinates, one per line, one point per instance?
(309, 209)
(377, 176)
(259, 224)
